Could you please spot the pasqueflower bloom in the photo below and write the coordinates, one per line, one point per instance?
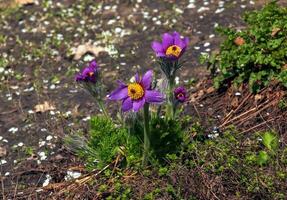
(135, 95)
(180, 94)
(172, 46)
(89, 73)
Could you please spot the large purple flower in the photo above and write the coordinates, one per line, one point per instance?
(89, 73)
(172, 46)
(135, 95)
(180, 94)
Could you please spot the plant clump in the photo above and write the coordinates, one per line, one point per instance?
(255, 55)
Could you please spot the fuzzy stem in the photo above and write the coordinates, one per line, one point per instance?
(170, 106)
(102, 107)
(146, 135)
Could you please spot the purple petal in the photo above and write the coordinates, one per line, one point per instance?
(137, 105)
(186, 40)
(87, 70)
(137, 77)
(79, 77)
(153, 96)
(121, 84)
(177, 39)
(167, 40)
(157, 47)
(183, 44)
(147, 79)
(160, 54)
(93, 64)
(127, 104)
(119, 94)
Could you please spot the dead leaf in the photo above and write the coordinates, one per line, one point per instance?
(24, 2)
(3, 152)
(192, 99)
(275, 31)
(15, 3)
(86, 48)
(75, 110)
(239, 41)
(46, 106)
(258, 97)
(234, 102)
(200, 94)
(210, 90)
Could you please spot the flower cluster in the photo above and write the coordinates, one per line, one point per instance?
(142, 92)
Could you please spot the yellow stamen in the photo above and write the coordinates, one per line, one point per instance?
(91, 73)
(135, 91)
(180, 95)
(173, 50)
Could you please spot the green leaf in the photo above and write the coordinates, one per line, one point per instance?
(262, 158)
(270, 141)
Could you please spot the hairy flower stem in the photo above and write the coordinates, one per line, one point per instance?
(102, 108)
(170, 106)
(146, 135)
(171, 83)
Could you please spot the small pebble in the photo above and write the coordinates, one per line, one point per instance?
(72, 175)
(20, 144)
(49, 137)
(13, 130)
(42, 155)
(47, 181)
(206, 44)
(2, 162)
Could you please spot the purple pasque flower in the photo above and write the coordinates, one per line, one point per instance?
(172, 46)
(135, 95)
(180, 94)
(89, 73)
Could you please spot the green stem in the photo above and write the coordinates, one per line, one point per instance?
(146, 135)
(170, 106)
(102, 107)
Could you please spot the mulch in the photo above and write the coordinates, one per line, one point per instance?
(239, 107)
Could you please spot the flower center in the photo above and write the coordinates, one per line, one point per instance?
(173, 50)
(91, 74)
(135, 91)
(180, 95)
